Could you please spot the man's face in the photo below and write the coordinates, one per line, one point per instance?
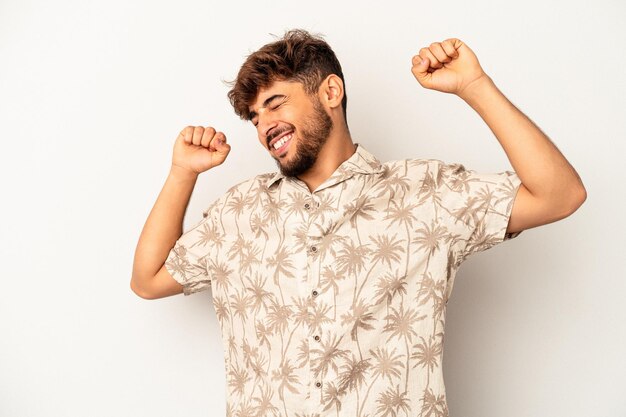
(291, 125)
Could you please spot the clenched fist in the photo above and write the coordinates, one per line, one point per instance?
(199, 149)
(449, 66)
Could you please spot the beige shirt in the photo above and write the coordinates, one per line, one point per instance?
(332, 303)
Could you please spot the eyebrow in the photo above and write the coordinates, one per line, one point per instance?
(265, 103)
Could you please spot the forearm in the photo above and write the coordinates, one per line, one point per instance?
(163, 226)
(536, 160)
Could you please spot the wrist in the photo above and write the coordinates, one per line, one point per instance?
(477, 89)
(181, 173)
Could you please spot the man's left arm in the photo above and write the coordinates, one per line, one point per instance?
(551, 188)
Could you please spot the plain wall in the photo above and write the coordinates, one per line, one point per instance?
(93, 95)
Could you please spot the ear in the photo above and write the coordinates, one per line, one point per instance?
(331, 91)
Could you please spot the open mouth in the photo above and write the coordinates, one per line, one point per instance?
(281, 145)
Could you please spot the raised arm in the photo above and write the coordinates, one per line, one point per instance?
(196, 150)
(551, 189)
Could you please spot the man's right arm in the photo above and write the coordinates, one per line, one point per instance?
(150, 279)
(196, 150)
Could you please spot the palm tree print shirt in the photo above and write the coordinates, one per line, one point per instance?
(332, 302)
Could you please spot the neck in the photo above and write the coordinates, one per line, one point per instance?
(337, 149)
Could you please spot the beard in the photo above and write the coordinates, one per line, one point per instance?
(313, 135)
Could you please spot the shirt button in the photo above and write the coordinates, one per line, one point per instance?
(307, 206)
(314, 293)
(318, 384)
(313, 248)
(317, 338)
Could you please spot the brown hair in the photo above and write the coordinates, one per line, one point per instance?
(298, 56)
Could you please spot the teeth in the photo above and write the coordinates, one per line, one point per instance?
(282, 141)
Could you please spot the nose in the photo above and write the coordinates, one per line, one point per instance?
(266, 123)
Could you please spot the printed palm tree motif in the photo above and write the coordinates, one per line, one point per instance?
(179, 264)
(433, 405)
(220, 273)
(301, 238)
(230, 410)
(385, 365)
(392, 402)
(245, 409)
(258, 294)
(361, 208)
(232, 345)
(327, 203)
(258, 224)
(330, 278)
(431, 238)
(279, 316)
(301, 317)
(358, 316)
(428, 354)
(328, 242)
(238, 377)
(353, 375)
(285, 374)
(401, 325)
(303, 355)
(210, 236)
(351, 258)
(264, 405)
(387, 249)
(249, 259)
(459, 178)
(258, 365)
(429, 289)
(390, 286)
(221, 308)
(385, 184)
(297, 200)
(331, 397)
(262, 334)
(480, 240)
(430, 191)
(272, 209)
(468, 213)
(327, 355)
(281, 263)
(236, 205)
(248, 352)
(238, 248)
(319, 316)
(401, 214)
(507, 194)
(239, 305)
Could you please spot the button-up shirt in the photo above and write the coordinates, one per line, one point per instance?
(333, 302)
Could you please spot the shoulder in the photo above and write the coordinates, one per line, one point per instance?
(243, 188)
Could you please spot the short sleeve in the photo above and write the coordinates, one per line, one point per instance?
(477, 205)
(188, 260)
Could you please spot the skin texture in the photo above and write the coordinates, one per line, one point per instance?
(551, 189)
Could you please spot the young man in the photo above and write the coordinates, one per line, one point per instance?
(330, 277)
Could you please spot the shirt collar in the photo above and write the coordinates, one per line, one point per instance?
(361, 162)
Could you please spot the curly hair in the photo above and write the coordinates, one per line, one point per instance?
(297, 56)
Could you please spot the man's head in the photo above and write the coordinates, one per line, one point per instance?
(279, 89)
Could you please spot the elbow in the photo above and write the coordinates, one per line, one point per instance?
(576, 200)
(139, 291)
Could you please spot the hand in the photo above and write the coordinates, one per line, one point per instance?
(199, 149)
(449, 66)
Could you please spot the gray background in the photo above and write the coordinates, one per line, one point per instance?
(93, 94)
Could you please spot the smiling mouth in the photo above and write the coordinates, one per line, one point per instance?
(282, 141)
